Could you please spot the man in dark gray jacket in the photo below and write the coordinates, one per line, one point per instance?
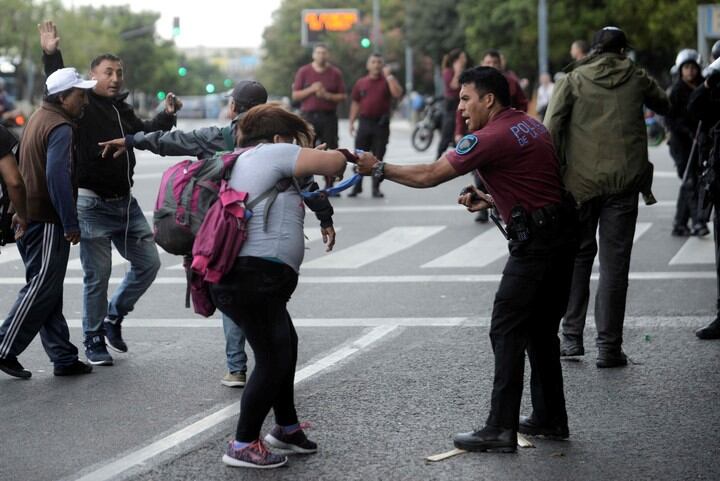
(205, 142)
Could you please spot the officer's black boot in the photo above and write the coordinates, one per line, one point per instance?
(489, 438)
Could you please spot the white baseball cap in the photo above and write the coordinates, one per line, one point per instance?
(66, 78)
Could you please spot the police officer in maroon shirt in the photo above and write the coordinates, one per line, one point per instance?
(319, 87)
(372, 102)
(514, 155)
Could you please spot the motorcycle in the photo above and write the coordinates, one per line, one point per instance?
(430, 120)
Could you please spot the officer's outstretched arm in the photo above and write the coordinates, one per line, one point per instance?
(418, 175)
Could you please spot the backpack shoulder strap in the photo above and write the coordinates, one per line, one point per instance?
(228, 137)
(271, 194)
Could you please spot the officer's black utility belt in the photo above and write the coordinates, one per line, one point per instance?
(524, 226)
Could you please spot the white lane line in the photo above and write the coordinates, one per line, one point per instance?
(696, 250)
(142, 455)
(9, 253)
(419, 279)
(214, 322)
(383, 245)
(640, 229)
(479, 252)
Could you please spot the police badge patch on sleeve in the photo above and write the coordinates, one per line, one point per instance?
(466, 144)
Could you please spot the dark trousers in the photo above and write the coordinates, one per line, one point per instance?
(325, 125)
(447, 131)
(39, 304)
(255, 295)
(687, 207)
(372, 136)
(529, 304)
(615, 216)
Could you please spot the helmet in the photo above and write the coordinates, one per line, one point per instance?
(686, 55)
(715, 51)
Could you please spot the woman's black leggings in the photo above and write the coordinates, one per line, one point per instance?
(255, 295)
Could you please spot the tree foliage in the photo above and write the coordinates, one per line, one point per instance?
(150, 63)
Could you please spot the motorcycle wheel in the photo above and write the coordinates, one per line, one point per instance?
(422, 137)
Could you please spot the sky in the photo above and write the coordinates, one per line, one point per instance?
(210, 23)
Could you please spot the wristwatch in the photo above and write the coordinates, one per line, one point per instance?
(378, 171)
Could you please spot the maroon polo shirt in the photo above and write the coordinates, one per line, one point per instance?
(373, 96)
(332, 80)
(516, 160)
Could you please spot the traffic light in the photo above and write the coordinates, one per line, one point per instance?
(176, 26)
(227, 83)
(182, 71)
(161, 95)
(365, 42)
(210, 88)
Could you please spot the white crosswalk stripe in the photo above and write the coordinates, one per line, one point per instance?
(696, 250)
(312, 234)
(479, 252)
(383, 245)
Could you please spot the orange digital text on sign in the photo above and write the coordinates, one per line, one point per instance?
(331, 21)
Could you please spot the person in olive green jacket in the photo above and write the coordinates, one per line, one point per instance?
(596, 120)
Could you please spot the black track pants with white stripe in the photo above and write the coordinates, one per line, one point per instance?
(39, 304)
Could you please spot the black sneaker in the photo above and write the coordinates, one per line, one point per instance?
(113, 334)
(680, 231)
(296, 441)
(491, 439)
(96, 352)
(711, 331)
(700, 229)
(532, 427)
(74, 369)
(609, 360)
(14, 368)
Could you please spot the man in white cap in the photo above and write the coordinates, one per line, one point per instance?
(47, 152)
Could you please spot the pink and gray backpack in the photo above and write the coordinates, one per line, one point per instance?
(189, 221)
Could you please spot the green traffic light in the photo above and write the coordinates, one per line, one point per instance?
(182, 71)
(161, 95)
(365, 42)
(210, 88)
(176, 31)
(227, 83)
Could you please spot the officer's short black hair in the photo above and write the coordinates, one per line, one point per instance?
(488, 80)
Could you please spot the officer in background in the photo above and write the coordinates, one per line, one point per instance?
(705, 105)
(319, 86)
(515, 158)
(683, 126)
(372, 98)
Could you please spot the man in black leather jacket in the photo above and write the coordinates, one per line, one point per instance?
(107, 211)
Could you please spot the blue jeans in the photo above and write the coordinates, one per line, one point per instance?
(122, 223)
(38, 307)
(234, 346)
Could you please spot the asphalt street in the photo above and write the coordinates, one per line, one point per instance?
(394, 359)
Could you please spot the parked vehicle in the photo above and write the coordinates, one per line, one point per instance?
(430, 121)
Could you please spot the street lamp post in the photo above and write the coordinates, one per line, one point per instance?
(542, 38)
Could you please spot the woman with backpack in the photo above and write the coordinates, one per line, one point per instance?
(256, 291)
